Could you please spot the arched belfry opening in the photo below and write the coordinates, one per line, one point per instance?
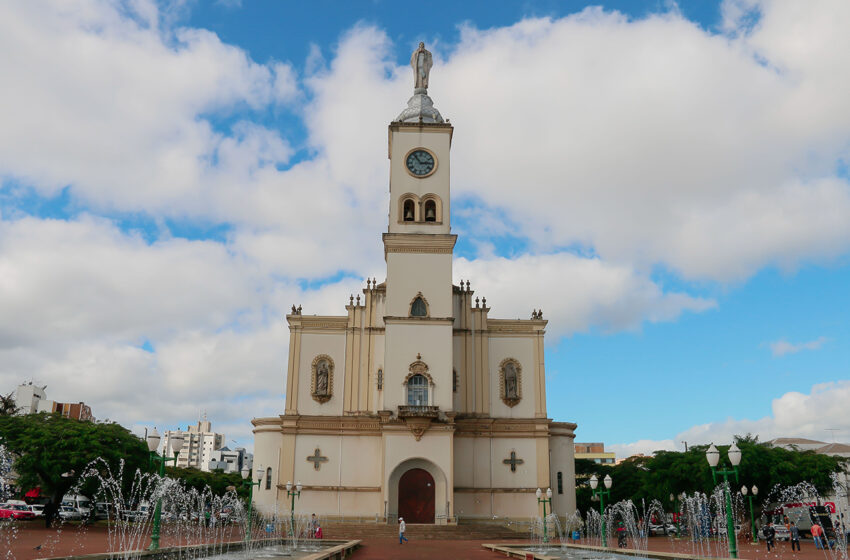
(430, 211)
(409, 211)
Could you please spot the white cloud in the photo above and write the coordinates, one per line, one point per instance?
(575, 292)
(649, 142)
(783, 347)
(793, 414)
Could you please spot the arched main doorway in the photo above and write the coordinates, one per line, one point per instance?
(416, 491)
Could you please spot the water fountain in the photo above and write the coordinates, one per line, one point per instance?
(194, 524)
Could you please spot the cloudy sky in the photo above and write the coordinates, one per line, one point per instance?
(671, 184)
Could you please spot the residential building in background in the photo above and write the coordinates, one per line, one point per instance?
(595, 452)
(230, 460)
(27, 397)
(31, 399)
(199, 443)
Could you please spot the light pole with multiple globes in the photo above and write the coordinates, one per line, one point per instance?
(153, 445)
(292, 495)
(246, 481)
(677, 515)
(594, 482)
(544, 501)
(713, 457)
(752, 519)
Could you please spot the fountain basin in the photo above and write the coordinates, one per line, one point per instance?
(585, 552)
(330, 550)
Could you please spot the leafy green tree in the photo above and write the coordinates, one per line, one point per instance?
(218, 481)
(671, 472)
(46, 446)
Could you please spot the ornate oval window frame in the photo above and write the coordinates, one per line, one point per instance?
(314, 378)
(511, 402)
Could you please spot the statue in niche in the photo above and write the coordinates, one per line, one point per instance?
(322, 374)
(511, 390)
(421, 62)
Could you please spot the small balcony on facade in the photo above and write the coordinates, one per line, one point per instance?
(418, 411)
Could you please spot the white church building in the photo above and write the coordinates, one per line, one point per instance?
(416, 402)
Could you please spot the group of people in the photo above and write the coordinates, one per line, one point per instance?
(818, 535)
(315, 528)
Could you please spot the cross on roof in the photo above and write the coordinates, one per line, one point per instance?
(317, 459)
(513, 461)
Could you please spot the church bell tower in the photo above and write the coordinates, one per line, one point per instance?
(418, 250)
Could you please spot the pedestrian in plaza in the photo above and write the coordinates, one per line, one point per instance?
(769, 535)
(817, 535)
(795, 537)
(49, 513)
(402, 527)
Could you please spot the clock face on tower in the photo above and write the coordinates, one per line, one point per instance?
(420, 162)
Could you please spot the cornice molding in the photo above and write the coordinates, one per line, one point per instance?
(318, 322)
(515, 325)
(429, 243)
(416, 320)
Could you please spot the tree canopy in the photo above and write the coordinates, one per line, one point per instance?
(673, 472)
(45, 446)
(217, 481)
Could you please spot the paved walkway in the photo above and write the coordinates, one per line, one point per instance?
(31, 541)
(425, 549)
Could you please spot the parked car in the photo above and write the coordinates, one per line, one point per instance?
(658, 529)
(721, 530)
(782, 532)
(102, 510)
(16, 512)
(37, 509)
(78, 502)
(140, 514)
(68, 513)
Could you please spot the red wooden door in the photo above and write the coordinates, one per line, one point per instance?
(416, 496)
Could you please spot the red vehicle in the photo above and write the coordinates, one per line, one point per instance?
(15, 511)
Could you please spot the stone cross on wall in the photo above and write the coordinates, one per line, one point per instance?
(513, 461)
(317, 459)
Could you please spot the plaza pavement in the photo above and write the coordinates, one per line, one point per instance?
(30, 542)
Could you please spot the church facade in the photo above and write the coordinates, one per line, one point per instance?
(416, 402)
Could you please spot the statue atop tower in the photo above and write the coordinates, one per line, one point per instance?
(421, 62)
(420, 107)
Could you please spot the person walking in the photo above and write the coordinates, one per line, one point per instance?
(795, 537)
(769, 535)
(402, 527)
(49, 513)
(817, 535)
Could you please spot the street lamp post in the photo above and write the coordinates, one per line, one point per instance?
(250, 484)
(544, 501)
(153, 445)
(752, 519)
(594, 482)
(292, 495)
(675, 504)
(713, 457)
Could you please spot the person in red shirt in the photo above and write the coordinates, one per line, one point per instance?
(817, 535)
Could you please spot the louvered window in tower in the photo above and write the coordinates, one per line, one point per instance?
(418, 308)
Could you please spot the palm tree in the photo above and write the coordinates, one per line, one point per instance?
(7, 405)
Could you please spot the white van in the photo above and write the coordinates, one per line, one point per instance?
(80, 503)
